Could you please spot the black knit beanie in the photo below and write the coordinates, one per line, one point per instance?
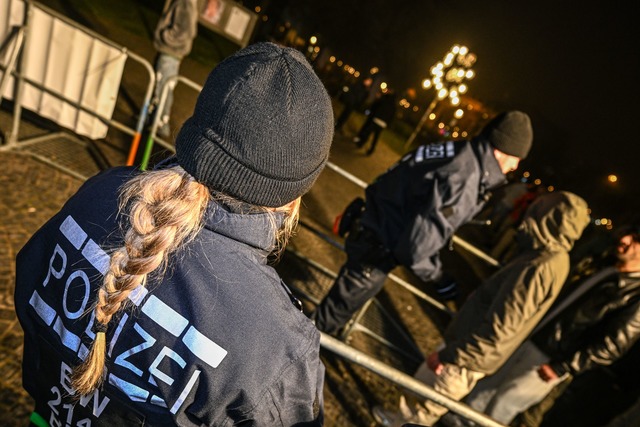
(261, 129)
(510, 133)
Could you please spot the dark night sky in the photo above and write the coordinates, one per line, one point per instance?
(575, 70)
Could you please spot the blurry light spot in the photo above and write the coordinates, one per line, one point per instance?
(612, 178)
(537, 181)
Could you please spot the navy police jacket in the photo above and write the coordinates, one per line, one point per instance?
(415, 207)
(214, 340)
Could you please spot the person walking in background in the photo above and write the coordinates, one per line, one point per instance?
(414, 208)
(501, 313)
(597, 325)
(148, 298)
(173, 40)
(381, 114)
(353, 100)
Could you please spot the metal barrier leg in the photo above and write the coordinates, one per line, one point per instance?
(17, 36)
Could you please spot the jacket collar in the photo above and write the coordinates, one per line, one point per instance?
(253, 229)
(492, 176)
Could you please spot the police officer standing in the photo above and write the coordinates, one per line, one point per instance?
(414, 208)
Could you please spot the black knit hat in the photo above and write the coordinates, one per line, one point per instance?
(261, 129)
(510, 133)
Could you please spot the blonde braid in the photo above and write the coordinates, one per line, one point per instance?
(165, 210)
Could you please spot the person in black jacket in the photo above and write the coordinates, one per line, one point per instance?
(173, 39)
(353, 99)
(148, 299)
(381, 114)
(414, 208)
(595, 325)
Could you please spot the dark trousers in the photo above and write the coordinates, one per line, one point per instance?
(344, 116)
(360, 279)
(370, 127)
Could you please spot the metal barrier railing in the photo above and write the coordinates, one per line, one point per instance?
(407, 382)
(15, 66)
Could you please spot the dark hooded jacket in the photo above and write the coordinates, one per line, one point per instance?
(503, 311)
(176, 28)
(215, 340)
(415, 207)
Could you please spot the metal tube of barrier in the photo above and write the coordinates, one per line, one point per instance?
(12, 135)
(409, 383)
(145, 107)
(17, 35)
(475, 251)
(347, 175)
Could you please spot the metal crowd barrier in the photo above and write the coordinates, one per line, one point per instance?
(406, 381)
(15, 66)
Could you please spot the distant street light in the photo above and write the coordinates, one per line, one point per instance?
(447, 78)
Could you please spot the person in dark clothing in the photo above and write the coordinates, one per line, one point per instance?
(381, 114)
(414, 208)
(173, 39)
(353, 100)
(595, 325)
(148, 299)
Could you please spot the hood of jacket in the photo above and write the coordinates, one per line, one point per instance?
(256, 229)
(554, 221)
